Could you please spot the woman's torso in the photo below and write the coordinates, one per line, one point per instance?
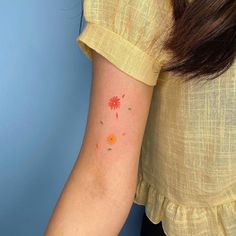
(191, 132)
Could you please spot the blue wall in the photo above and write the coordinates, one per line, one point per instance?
(44, 91)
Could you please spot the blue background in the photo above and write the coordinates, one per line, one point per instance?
(44, 92)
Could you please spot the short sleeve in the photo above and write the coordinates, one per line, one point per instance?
(128, 33)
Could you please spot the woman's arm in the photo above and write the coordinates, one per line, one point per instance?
(99, 193)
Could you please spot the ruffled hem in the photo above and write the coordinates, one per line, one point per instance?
(180, 220)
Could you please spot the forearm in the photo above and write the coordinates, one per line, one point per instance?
(89, 206)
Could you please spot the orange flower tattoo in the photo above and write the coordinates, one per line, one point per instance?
(114, 102)
(111, 139)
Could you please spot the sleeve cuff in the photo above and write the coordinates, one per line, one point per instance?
(120, 52)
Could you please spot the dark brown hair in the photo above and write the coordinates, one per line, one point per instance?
(202, 38)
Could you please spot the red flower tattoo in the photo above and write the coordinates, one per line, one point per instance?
(114, 102)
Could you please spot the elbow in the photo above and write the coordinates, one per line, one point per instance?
(116, 190)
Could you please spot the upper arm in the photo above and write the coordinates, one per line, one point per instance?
(125, 46)
(114, 131)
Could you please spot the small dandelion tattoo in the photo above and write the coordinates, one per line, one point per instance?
(111, 139)
(114, 102)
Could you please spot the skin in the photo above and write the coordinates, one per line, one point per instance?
(99, 192)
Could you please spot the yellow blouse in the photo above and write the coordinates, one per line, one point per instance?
(187, 168)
